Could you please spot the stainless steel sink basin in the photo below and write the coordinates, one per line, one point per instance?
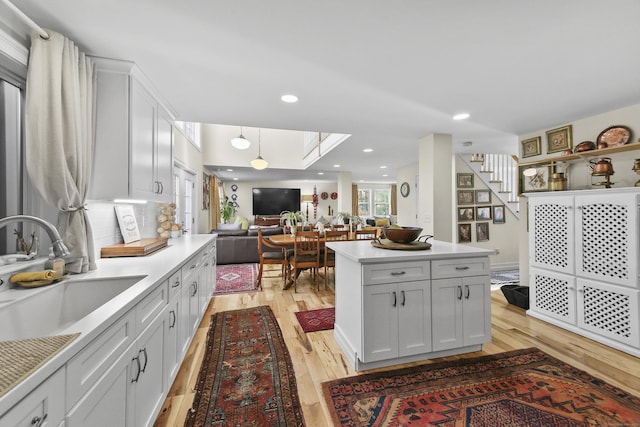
(54, 308)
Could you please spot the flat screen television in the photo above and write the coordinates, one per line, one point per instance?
(272, 201)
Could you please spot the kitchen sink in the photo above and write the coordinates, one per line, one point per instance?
(54, 308)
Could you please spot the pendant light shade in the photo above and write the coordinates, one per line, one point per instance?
(240, 142)
(259, 163)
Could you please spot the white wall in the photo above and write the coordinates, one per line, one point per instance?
(407, 205)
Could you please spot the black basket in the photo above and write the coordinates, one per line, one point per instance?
(516, 295)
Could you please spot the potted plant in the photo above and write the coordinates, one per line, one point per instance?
(228, 209)
(347, 218)
(292, 219)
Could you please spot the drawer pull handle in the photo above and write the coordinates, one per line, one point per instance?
(466, 267)
(395, 299)
(146, 359)
(192, 266)
(176, 284)
(466, 288)
(173, 319)
(404, 298)
(398, 273)
(135, 380)
(459, 292)
(37, 421)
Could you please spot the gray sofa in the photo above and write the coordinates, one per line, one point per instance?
(241, 246)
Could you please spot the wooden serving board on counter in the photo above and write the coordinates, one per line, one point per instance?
(140, 247)
(412, 246)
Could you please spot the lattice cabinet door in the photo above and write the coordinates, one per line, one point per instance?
(609, 310)
(607, 238)
(554, 294)
(551, 229)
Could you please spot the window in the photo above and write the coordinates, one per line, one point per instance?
(10, 160)
(191, 130)
(374, 201)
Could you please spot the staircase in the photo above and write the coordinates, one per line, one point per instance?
(499, 172)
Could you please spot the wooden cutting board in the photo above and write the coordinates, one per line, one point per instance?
(412, 246)
(140, 247)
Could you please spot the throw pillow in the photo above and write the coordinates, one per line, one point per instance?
(382, 222)
(235, 226)
(244, 222)
(322, 220)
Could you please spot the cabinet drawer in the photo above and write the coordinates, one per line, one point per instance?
(44, 403)
(175, 284)
(393, 272)
(149, 308)
(190, 268)
(463, 267)
(96, 358)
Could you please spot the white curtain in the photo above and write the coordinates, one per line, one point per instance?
(60, 138)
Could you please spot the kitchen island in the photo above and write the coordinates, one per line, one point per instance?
(396, 306)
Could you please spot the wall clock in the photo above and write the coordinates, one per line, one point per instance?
(404, 189)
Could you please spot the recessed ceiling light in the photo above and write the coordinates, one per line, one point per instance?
(235, 179)
(320, 173)
(336, 166)
(461, 116)
(289, 98)
(383, 167)
(367, 150)
(229, 170)
(385, 175)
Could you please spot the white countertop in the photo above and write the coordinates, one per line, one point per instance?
(155, 267)
(363, 252)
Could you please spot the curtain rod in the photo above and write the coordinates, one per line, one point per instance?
(26, 19)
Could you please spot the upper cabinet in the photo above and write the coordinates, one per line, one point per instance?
(133, 154)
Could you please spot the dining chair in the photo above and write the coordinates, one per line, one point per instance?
(306, 255)
(339, 226)
(276, 256)
(330, 255)
(367, 234)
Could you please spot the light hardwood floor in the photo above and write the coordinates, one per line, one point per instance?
(317, 358)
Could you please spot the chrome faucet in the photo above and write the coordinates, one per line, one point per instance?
(59, 248)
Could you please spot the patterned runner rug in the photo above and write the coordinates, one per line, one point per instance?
(246, 377)
(505, 277)
(317, 320)
(236, 278)
(523, 388)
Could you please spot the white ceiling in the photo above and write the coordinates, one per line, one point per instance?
(387, 72)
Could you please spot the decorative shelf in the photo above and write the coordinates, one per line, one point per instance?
(603, 152)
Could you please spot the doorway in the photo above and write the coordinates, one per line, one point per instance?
(184, 184)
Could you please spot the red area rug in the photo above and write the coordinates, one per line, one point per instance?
(246, 377)
(522, 388)
(317, 320)
(236, 278)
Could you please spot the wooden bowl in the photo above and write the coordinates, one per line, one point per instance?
(401, 235)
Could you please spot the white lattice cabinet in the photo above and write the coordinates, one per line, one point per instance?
(583, 252)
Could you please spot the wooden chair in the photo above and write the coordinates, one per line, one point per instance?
(306, 254)
(339, 226)
(330, 255)
(367, 234)
(270, 257)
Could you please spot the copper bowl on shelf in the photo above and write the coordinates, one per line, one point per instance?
(585, 146)
(401, 235)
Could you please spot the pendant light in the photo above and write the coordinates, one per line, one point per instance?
(240, 142)
(259, 163)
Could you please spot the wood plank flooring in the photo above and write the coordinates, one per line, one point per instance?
(317, 358)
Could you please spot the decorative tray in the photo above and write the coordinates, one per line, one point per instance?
(412, 246)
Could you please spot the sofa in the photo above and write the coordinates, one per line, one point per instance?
(241, 246)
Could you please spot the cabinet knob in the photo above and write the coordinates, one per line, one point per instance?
(176, 284)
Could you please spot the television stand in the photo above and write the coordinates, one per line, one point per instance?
(266, 220)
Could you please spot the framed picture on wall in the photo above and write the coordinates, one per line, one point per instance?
(531, 147)
(466, 214)
(465, 197)
(464, 233)
(483, 212)
(534, 177)
(483, 196)
(498, 214)
(465, 180)
(482, 231)
(559, 139)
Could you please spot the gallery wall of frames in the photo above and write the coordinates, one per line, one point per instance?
(475, 210)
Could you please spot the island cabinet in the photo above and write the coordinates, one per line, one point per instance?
(397, 307)
(134, 139)
(584, 255)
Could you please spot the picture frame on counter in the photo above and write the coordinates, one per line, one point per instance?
(531, 147)
(559, 139)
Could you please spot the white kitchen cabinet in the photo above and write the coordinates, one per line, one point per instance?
(460, 310)
(584, 252)
(397, 319)
(172, 346)
(133, 137)
(43, 407)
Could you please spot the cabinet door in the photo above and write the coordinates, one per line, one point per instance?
(476, 310)
(143, 124)
(380, 316)
(172, 349)
(194, 304)
(164, 156)
(610, 311)
(108, 403)
(184, 324)
(414, 318)
(150, 388)
(607, 233)
(554, 294)
(446, 313)
(551, 230)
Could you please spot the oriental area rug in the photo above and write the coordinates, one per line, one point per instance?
(236, 278)
(317, 320)
(521, 388)
(246, 377)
